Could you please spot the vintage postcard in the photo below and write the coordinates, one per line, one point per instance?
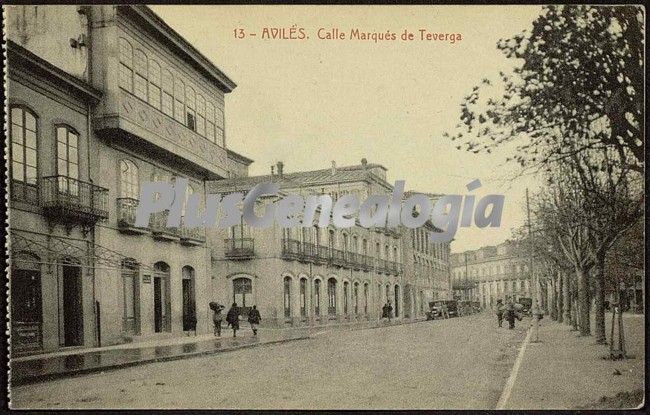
(429, 207)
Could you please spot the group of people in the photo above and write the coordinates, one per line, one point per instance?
(510, 311)
(387, 311)
(232, 318)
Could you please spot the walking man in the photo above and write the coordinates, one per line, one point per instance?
(500, 309)
(510, 314)
(232, 318)
(217, 317)
(254, 319)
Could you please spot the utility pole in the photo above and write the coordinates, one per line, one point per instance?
(465, 289)
(535, 336)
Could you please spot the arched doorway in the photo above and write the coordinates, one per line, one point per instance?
(331, 296)
(71, 305)
(26, 303)
(161, 298)
(189, 302)
(397, 310)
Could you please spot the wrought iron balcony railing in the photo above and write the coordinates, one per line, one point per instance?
(126, 212)
(192, 236)
(72, 200)
(239, 248)
(159, 229)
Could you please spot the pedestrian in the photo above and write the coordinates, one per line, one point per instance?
(384, 311)
(217, 317)
(390, 312)
(500, 309)
(445, 310)
(232, 318)
(254, 318)
(510, 314)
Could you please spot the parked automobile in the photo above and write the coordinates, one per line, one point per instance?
(435, 308)
(527, 304)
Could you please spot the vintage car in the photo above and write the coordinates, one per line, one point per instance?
(527, 304)
(436, 307)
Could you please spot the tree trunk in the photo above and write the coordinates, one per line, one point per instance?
(566, 298)
(552, 306)
(558, 295)
(599, 300)
(583, 302)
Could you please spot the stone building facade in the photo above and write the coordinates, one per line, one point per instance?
(491, 273)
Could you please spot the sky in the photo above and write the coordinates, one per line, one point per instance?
(308, 102)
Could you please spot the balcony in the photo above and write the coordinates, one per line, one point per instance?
(291, 249)
(239, 248)
(338, 258)
(159, 229)
(73, 201)
(126, 211)
(192, 236)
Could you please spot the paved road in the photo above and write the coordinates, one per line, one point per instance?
(446, 364)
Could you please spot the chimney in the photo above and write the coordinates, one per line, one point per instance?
(364, 163)
(333, 167)
(280, 168)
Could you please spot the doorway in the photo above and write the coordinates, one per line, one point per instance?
(397, 310)
(189, 306)
(161, 304)
(72, 306)
(26, 309)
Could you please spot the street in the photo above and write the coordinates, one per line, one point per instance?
(444, 364)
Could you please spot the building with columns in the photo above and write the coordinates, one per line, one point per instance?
(491, 273)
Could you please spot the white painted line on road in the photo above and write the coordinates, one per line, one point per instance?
(505, 395)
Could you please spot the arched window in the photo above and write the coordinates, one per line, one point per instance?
(364, 246)
(155, 83)
(346, 293)
(317, 297)
(129, 180)
(179, 104)
(24, 154)
(126, 65)
(332, 239)
(209, 122)
(287, 297)
(168, 93)
(67, 162)
(200, 114)
(303, 297)
(355, 244)
(242, 289)
(190, 103)
(140, 78)
(189, 307)
(331, 296)
(130, 296)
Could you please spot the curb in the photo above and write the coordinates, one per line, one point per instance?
(25, 380)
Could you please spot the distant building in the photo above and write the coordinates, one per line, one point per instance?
(491, 273)
(310, 276)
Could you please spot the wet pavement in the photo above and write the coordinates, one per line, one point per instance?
(54, 366)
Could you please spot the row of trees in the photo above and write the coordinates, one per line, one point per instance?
(573, 109)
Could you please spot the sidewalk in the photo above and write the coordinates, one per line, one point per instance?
(37, 368)
(565, 371)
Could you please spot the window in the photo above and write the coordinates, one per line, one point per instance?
(317, 297)
(219, 123)
(303, 297)
(287, 297)
(126, 65)
(67, 163)
(24, 156)
(179, 104)
(168, 93)
(200, 114)
(190, 102)
(154, 84)
(364, 247)
(209, 122)
(140, 79)
(331, 296)
(129, 180)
